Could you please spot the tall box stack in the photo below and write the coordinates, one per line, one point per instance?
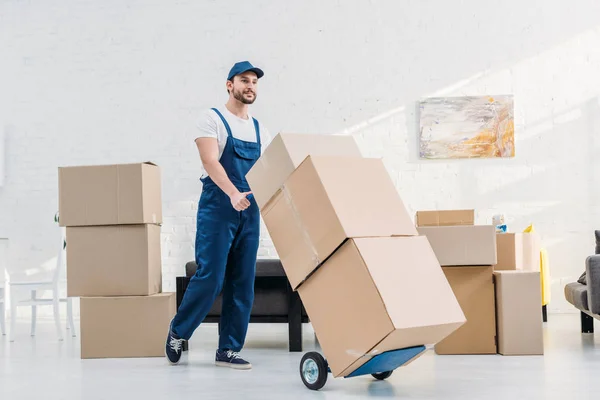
(112, 215)
(467, 253)
(519, 294)
(369, 283)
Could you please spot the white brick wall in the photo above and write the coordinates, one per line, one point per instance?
(85, 82)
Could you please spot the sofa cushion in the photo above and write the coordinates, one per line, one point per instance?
(576, 294)
(269, 267)
(264, 267)
(267, 302)
(582, 279)
(593, 283)
(597, 234)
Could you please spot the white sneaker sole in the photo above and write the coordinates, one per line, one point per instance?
(233, 366)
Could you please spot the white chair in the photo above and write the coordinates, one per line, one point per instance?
(34, 301)
(3, 262)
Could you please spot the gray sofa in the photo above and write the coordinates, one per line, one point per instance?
(585, 293)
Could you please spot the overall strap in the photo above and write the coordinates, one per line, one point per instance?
(257, 129)
(224, 122)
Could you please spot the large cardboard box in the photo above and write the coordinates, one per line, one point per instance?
(462, 245)
(474, 290)
(286, 152)
(519, 316)
(122, 260)
(445, 217)
(379, 294)
(518, 251)
(122, 327)
(110, 195)
(327, 200)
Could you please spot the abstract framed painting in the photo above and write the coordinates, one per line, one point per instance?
(467, 127)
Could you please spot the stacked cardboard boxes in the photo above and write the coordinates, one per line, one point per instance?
(467, 253)
(518, 293)
(368, 281)
(501, 314)
(112, 215)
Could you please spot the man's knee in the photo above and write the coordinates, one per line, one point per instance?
(211, 280)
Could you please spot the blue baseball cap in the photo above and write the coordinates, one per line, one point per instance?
(244, 66)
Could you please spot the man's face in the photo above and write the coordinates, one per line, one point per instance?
(243, 88)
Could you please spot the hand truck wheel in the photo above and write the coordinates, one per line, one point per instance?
(382, 375)
(313, 370)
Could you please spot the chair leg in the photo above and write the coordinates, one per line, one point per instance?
(544, 314)
(33, 313)
(71, 324)
(56, 306)
(587, 323)
(13, 316)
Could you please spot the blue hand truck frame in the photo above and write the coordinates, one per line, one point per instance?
(314, 369)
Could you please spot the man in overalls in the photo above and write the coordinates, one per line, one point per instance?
(228, 223)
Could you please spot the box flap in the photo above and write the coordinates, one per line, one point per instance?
(445, 217)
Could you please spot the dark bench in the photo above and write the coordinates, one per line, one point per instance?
(274, 300)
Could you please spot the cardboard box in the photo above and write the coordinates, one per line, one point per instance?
(379, 294)
(122, 260)
(327, 200)
(445, 218)
(286, 152)
(462, 245)
(474, 290)
(110, 195)
(518, 251)
(519, 315)
(122, 327)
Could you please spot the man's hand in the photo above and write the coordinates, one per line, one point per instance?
(209, 154)
(239, 201)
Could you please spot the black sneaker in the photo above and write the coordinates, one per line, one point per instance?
(231, 359)
(173, 348)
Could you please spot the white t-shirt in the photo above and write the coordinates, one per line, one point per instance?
(210, 125)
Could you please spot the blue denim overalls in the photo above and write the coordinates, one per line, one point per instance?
(226, 249)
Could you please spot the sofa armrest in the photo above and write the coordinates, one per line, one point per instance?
(592, 267)
(190, 268)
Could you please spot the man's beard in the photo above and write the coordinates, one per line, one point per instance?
(240, 97)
